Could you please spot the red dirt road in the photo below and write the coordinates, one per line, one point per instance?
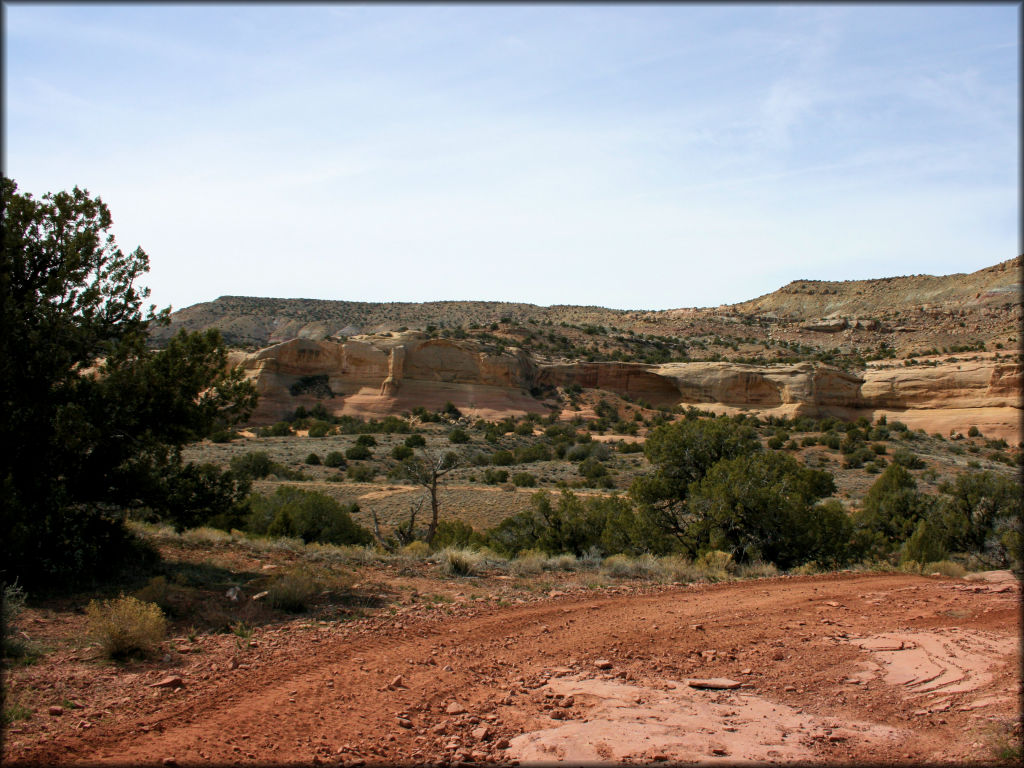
(845, 667)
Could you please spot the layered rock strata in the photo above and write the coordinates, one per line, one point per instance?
(394, 373)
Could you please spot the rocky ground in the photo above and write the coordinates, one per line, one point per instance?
(848, 667)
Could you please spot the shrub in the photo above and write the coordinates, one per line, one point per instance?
(529, 562)
(419, 550)
(335, 459)
(946, 568)
(678, 569)
(319, 429)
(125, 625)
(254, 464)
(280, 429)
(524, 480)
(756, 570)
(495, 476)
(292, 591)
(458, 436)
(907, 459)
(401, 452)
(157, 591)
(312, 516)
(502, 458)
(13, 604)
(715, 565)
(625, 567)
(973, 431)
(361, 473)
(313, 459)
(368, 440)
(460, 562)
(592, 469)
(415, 441)
(358, 452)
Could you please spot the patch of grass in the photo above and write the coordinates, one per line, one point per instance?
(460, 562)
(626, 567)
(676, 569)
(16, 712)
(126, 626)
(292, 591)
(716, 565)
(756, 570)
(946, 568)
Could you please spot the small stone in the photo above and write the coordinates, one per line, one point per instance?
(454, 708)
(233, 664)
(714, 683)
(557, 714)
(171, 681)
(747, 671)
(789, 688)
(697, 627)
(501, 744)
(260, 595)
(397, 682)
(482, 733)
(603, 664)
(567, 702)
(170, 761)
(55, 711)
(719, 751)
(403, 722)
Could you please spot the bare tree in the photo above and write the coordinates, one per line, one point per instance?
(427, 470)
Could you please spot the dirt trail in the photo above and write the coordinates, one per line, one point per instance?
(848, 667)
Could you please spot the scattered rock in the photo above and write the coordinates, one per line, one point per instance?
(603, 664)
(454, 708)
(55, 711)
(404, 722)
(398, 682)
(261, 595)
(171, 681)
(233, 594)
(483, 733)
(714, 683)
(170, 761)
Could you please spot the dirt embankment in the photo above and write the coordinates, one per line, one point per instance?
(847, 667)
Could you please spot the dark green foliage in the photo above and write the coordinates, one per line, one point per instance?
(891, 510)
(313, 459)
(450, 410)
(255, 465)
(361, 473)
(603, 525)
(455, 533)
(495, 476)
(358, 452)
(761, 507)
(973, 432)
(335, 459)
(592, 469)
(527, 454)
(280, 429)
(981, 512)
(401, 452)
(681, 454)
(502, 458)
(83, 447)
(524, 480)
(308, 515)
(319, 429)
(415, 441)
(368, 440)
(458, 436)
(907, 459)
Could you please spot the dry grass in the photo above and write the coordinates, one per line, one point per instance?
(126, 625)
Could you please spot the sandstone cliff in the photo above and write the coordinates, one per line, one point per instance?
(394, 373)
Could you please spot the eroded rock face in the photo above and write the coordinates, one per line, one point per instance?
(394, 373)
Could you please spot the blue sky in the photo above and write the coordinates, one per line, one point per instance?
(643, 157)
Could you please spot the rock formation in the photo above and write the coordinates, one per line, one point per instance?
(393, 373)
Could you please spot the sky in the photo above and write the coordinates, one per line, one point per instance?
(626, 156)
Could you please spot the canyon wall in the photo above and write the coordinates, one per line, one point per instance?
(393, 373)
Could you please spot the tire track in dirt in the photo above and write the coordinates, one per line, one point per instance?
(417, 689)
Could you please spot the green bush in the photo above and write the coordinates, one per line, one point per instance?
(715, 565)
(973, 432)
(125, 626)
(495, 476)
(524, 480)
(415, 441)
(335, 459)
(907, 459)
(254, 464)
(502, 458)
(458, 436)
(368, 440)
(358, 452)
(308, 515)
(320, 429)
(313, 459)
(280, 429)
(361, 473)
(401, 452)
(13, 604)
(592, 469)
